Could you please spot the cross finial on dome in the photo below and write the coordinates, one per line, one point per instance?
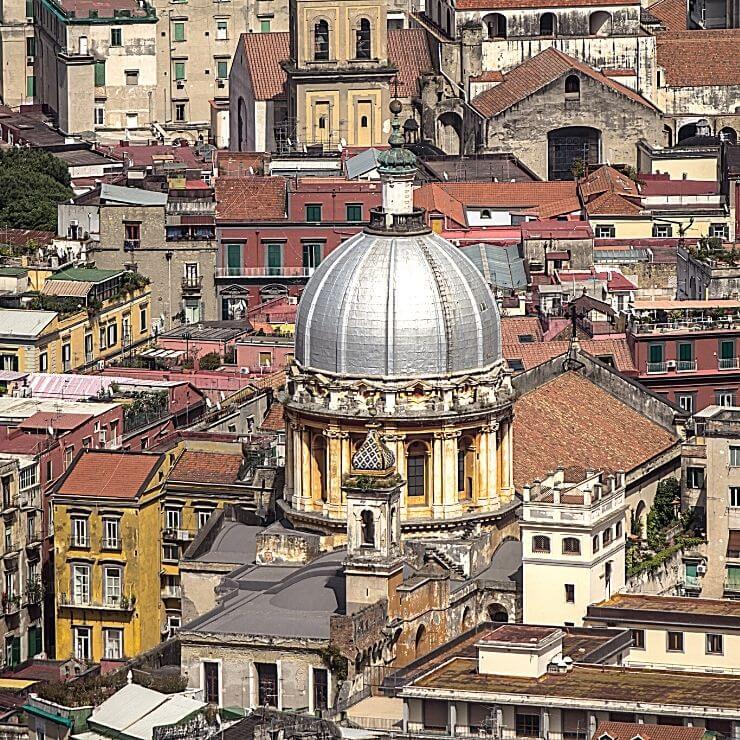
(373, 457)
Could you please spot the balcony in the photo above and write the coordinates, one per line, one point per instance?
(30, 498)
(382, 222)
(170, 534)
(728, 363)
(110, 603)
(33, 537)
(280, 271)
(685, 366)
(111, 544)
(34, 591)
(655, 368)
(11, 604)
(129, 245)
(171, 592)
(10, 504)
(80, 543)
(192, 207)
(11, 548)
(192, 283)
(732, 586)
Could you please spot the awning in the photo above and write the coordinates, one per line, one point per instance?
(47, 715)
(69, 288)
(162, 354)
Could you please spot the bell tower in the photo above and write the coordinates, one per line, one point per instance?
(374, 566)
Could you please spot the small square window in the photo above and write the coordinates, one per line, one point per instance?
(265, 25)
(132, 77)
(116, 37)
(714, 644)
(674, 642)
(570, 593)
(638, 639)
(354, 212)
(313, 213)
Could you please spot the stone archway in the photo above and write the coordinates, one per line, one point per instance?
(568, 146)
(449, 132)
(686, 132)
(497, 613)
(728, 134)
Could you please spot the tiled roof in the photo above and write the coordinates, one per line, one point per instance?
(611, 204)
(263, 53)
(238, 164)
(559, 207)
(250, 198)
(684, 607)
(22, 237)
(434, 198)
(510, 194)
(489, 76)
(59, 422)
(607, 180)
(200, 466)
(274, 420)
(605, 434)
(535, 74)
(513, 327)
(679, 187)
(101, 474)
(700, 58)
(671, 13)
(631, 730)
(409, 51)
(515, 4)
(536, 353)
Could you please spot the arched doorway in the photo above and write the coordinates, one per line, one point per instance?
(421, 642)
(497, 613)
(686, 132)
(728, 135)
(639, 519)
(600, 23)
(569, 146)
(547, 24)
(495, 25)
(449, 133)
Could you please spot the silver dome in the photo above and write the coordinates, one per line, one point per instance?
(397, 307)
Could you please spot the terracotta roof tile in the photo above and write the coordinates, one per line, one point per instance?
(201, 466)
(510, 194)
(274, 421)
(263, 53)
(409, 51)
(535, 353)
(514, 4)
(631, 730)
(607, 180)
(671, 13)
(434, 198)
(238, 164)
(605, 434)
(611, 204)
(536, 73)
(700, 58)
(513, 327)
(101, 474)
(489, 76)
(559, 207)
(250, 198)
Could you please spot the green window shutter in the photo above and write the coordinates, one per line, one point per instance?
(727, 349)
(30, 86)
(685, 352)
(233, 258)
(691, 570)
(274, 259)
(223, 70)
(99, 74)
(179, 70)
(29, 8)
(35, 643)
(656, 353)
(265, 25)
(354, 212)
(15, 657)
(179, 32)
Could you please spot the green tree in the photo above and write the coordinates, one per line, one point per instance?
(663, 513)
(32, 184)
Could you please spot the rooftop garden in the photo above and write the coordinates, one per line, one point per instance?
(713, 249)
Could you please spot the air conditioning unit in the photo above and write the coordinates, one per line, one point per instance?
(670, 363)
(244, 370)
(701, 569)
(221, 83)
(101, 364)
(30, 60)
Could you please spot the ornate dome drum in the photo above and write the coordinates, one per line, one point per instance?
(398, 332)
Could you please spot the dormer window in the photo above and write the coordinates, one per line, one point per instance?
(321, 41)
(363, 39)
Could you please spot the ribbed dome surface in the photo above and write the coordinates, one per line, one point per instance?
(397, 307)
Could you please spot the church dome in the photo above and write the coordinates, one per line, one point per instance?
(389, 305)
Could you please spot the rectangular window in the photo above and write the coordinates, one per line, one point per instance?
(132, 120)
(734, 456)
(30, 46)
(694, 477)
(79, 532)
(99, 115)
(112, 335)
(31, 86)
(313, 213)
(178, 31)
(222, 69)
(112, 578)
(233, 259)
(113, 643)
(116, 37)
(274, 255)
(724, 397)
(415, 469)
(82, 642)
(527, 725)
(179, 71)
(211, 688)
(320, 688)
(638, 639)
(605, 231)
(570, 593)
(44, 362)
(35, 644)
(311, 255)
(727, 353)
(720, 231)
(9, 362)
(735, 496)
(172, 518)
(170, 553)
(714, 644)
(662, 231)
(132, 77)
(354, 212)
(267, 684)
(203, 516)
(29, 9)
(674, 642)
(100, 73)
(28, 477)
(222, 30)
(685, 401)
(264, 25)
(173, 624)
(111, 533)
(81, 584)
(9, 577)
(180, 112)
(142, 319)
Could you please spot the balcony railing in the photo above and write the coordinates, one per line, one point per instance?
(192, 282)
(33, 537)
(30, 498)
(728, 363)
(202, 207)
(397, 223)
(110, 543)
(682, 326)
(733, 586)
(129, 245)
(685, 366)
(80, 542)
(84, 601)
(692, 582)
(172, 592)
(177, 535)
(654, 368)
(266, 271)
(11, 604)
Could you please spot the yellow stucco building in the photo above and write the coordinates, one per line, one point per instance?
(84, 315)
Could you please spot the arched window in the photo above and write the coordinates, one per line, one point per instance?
(571, 546)
(572, 87)
(728, 134)
(540, 543)
(321, 41)
(496, 25)
(600, 23)
(606, 537)
(618, 530)
(595, 543)
(547, 24)
(465, 468)
(485, 214)
(363, 39)
(363, 121)
(416, 472)
(420, 642)
(368, 528)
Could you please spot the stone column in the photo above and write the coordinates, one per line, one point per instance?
(451, 496)
(297, 459)
(333, 505)
(507, 483)
(481, 491)
(306, 488)
(289, 434)
(494, 491)
(436, 470)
